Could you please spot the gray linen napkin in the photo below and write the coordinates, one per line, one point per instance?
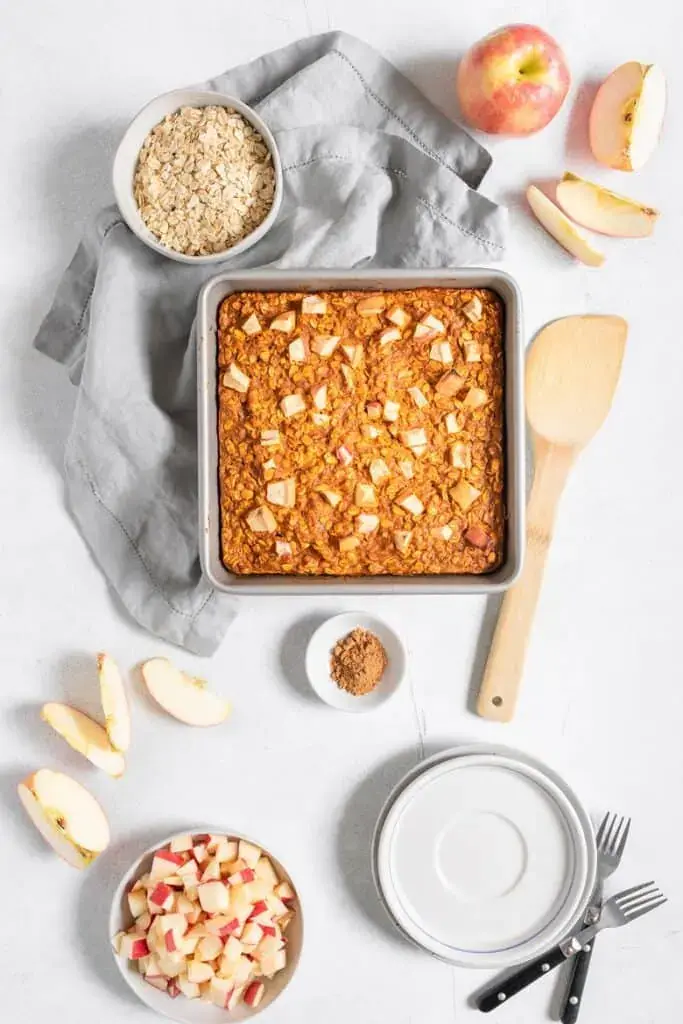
(374, 175)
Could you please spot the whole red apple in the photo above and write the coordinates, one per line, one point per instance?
(513, 81)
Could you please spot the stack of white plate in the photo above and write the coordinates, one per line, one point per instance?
(484, 857)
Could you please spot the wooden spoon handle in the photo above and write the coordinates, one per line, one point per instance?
(505, 664)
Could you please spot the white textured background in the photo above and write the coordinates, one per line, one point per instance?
(603, 697)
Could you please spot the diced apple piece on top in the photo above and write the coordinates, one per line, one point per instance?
(182, 843)
(473, 309)
(236, 380)
(388, 335)
(265, 872)
(441, 352)
(284, 322)
(452, 425)
(197, 971)
(214, 897)
(379, 471)
(373, 305)
(475, 398)
(464, 494)
(391, 411)
(365, 494)
(344, 456)
(320, 397)
(367, 522)
(188, 988)
(252, 325)
(461, 455)
(330, 496)
(411, 503)
(472, 351)
(137, 902)
(285, 893)
(324, 344)
(374, 410)
(450, 383)
(270, 965)
(348, 543)
(398, 316)
(477, 537)
(292, 405)
(253, 994)
(261, 520)
(418, 398)
(269, 438)
(133, 947)
(164, 863)
(282, 492)
(313, 305)
(298, 350)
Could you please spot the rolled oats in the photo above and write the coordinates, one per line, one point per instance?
(204, 180)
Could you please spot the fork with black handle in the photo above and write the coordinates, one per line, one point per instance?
(610, 841)
(617, 911)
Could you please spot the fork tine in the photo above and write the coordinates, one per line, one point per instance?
(623, 837)
(615, 837)
(638, 898)
(607, 841)
(600, 837)
(629, 892)
(646, 908)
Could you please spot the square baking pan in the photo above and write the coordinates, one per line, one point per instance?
(210, 298)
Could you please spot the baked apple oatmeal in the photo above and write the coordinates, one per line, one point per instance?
(361, 433)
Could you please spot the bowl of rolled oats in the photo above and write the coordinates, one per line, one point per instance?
(197, 176)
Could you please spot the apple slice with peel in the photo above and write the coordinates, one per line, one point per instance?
(114, 702)
(183, 696)
(626, 116)
(604, 211)
(66, 815)
(84, 735)
(563, 230)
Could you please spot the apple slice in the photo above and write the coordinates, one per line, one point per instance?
(604, 211)
(253, 994)
(183, 696)
(66, 815)
(563, 230)
(87, 737)
(626, 116)
(114, 702)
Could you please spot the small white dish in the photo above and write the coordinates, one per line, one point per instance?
(484, 859)
(193, 1011)
(319, 652)
(126, 160)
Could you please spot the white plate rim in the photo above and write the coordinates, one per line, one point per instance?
(578, 813)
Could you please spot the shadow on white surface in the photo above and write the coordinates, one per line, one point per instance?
(14, 812)
(293, 654)
(577, 144)
(481, 651)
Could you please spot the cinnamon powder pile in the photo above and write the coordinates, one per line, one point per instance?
(358, 662)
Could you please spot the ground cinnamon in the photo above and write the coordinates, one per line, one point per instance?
(358, 662)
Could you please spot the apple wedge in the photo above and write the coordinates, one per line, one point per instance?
(87, 737)
(114, 702)
(183, 696)
(604, 211)
(627, 115)
(66, 815)
(563, 230)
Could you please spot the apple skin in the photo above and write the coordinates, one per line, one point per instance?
(513, 82)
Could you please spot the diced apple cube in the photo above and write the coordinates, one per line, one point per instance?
(275, 905)
(472, 351)
(249, 853)
(461, 455)
(173, 988)
(265, 872)
(391, 411)
(226, 850)
(374, 410)
(320, 419)
(212, 871)
(261, 520)
(285, 892)
(411, 503)
(283, 549)
(347, 374)
(133, 947)
(239, 877)
(270, 965)
(344, 456)
(298, 350)
(388, 335)
(418, 398)
(324, 344)
(221, 990)
(270, 438)
(373, 305)
(441, 352)
(152, 967)
(365, 494)
(475, 398)
(413, 438)
(464, 494)
(284, 322)
(348, 543)
(252, 325)
(354, 354)
(452, 424)
(282, 492)
(172, 923)
(406, 468)
(450, 383)
(189, 872)
(443, 532)
(214, 897)
(209, 948)
(161, 983)
(320, 397)
(253, 994)
(137, 902)
(405, 535)
(200, 852)
(143, 922)
(398, 316)
(164, 863)
(236, 380)
(379, 471)
(433, 323)
(189, 988)
(252, 934)
(160, 898)
(424, 333)
(292, 405)
(313, 305)
(477, 537)
(367, 522)
(370, 431)
(181, 844)
(198, 971)
(473, 310)
(330, 496)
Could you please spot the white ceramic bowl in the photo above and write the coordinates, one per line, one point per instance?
(193, 1011)
(319, 652)
(559, 902)
(126, 160)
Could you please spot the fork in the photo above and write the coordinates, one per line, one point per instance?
(619, 910)
(610, 841)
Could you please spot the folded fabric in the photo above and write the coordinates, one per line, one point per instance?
(373, 175)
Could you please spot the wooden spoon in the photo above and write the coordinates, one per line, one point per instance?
(571, 375)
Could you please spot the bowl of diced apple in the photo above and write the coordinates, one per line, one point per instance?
(206, 924)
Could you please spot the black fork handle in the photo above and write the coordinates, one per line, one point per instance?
(577, 982)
